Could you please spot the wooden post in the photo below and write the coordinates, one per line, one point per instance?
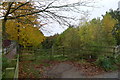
(114, 51)
(117, 51)
(16, 74)
(52, 49)
(52, 53)
(63, 50)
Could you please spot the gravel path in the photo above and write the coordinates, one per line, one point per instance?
(64, 70)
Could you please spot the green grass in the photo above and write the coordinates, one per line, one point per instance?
(59, 58)
(9, 73)
(27, 57)
(118, 59)
(8, 63)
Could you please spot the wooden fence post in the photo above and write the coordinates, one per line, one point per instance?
(51, 55)
(116, 51)
(63, 51)
(17, 69)
(52, 50)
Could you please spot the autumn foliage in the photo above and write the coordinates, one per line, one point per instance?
(24, 30)
(27, 34)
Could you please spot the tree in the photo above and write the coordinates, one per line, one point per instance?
(97, 34)
(27, 35)
(45, 11)
(0, 34)
(100, 31)
(91, 38)
(108, 26)
(24, 29)
(49, 41)
(22, 13)
(69, 38)
(116, 30)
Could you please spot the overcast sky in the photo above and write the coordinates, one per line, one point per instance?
(103, 6)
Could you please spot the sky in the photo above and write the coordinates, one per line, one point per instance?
(104, 5)
(101, 6)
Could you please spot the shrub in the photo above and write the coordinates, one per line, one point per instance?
(107, 62)
(4, 62)
(117, 61)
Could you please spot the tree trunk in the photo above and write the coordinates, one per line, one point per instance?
(3, 29)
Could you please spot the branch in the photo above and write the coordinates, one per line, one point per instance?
(18, 7)
(26, 14)
(49, 4)
(69, 5)
(8, 10)
(23, 9)
(60, 19)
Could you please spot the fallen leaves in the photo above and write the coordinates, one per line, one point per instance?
(88, 69)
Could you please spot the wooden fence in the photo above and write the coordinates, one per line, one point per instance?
(12, 72)
(76, 51)
(10, 52)
(17, 69)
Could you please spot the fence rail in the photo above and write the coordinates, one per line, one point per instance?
(14, 66)
(66, 51)
(12, 71)
(17, 69)
(74, 51)
(89, 50)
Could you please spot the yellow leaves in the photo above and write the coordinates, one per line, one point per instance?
(87, 32)
(31, 36)
(98, 32)
(34, 35)
(22, 29)
(11, 29)
(108, 22)
(26, 33)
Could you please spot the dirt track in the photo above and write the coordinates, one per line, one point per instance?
(64, 70)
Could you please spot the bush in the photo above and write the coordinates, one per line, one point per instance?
(4, 63)
(107, 62)
(117, 61)
(7, 63)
